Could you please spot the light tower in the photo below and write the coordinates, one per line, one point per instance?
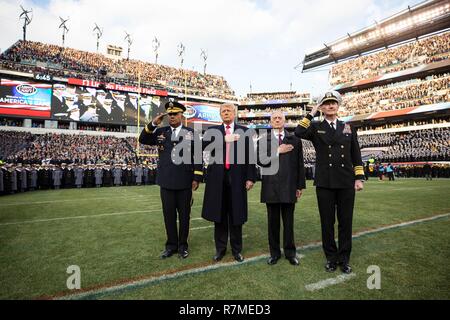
(26, 21)
(64, 29)
(99, 33)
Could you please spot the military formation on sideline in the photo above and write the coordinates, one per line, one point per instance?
(21, 178)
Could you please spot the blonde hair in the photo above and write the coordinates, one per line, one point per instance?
(227, 104)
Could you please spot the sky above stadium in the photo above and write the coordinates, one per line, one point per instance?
(253, 43)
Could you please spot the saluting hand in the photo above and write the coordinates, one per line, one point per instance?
(157, 121)
(315, 109)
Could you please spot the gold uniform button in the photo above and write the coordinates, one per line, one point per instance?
(329, 147)
(342, 156)
(342, 147)
(342, 165)
(329, 155)
(331, 165)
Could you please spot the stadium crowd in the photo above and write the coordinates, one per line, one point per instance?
(290, 123)
(420, 145)
(27, 148)
(411, 93)
(424, 51)
(266, 112)
(267, 96)
(411, 123)
(58, 61)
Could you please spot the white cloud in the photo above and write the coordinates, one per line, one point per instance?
(247, 41)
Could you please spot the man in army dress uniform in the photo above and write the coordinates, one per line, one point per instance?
(339, 173)
(107, 176)
(176, 181)
(45, 177)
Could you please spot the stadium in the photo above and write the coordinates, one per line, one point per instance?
(79, 191)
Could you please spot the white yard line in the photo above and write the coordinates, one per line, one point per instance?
(25, 203)
(82, 217)
(329, 282)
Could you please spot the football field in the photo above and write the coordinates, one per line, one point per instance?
(115, 237)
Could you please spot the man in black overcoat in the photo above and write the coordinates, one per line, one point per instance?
(228, 181)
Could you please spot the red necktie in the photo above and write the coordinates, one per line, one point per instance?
(227, 154)
(280, 141)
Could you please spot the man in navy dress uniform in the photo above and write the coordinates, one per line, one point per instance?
(339, 173)
(176, 180)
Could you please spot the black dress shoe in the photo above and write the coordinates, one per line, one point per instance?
(238, 257)
(273, 260)
(183, 254)
(331, 266)
(346, 268)
(294, 261)
(218, 256)
(166, 254)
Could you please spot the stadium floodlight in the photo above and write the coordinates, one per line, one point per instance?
(130, 42)
(204, 56)
(99, 33)
(26, 21)
(156, 45)
(64, 29)
(181, 49)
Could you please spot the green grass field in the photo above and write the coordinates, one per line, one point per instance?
(115, 236)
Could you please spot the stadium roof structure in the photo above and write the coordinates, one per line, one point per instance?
(422, 19)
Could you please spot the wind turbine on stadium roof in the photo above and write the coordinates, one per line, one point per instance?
(181, 49)
(156, 45)
(26, 21)
(65, 29)
(130, 42)
(99, 33)
(204, 56)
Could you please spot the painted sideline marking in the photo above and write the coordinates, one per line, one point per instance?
(145, 281)
(199, 228)
(329, 282)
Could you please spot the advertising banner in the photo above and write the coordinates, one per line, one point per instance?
(25, 98)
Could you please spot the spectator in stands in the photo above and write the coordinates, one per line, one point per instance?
(67, 62)
(424, 51)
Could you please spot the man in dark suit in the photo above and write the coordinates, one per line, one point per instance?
(339, 173)
(283, 180)
(427, 171)
(227, 182)
(177, 180)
